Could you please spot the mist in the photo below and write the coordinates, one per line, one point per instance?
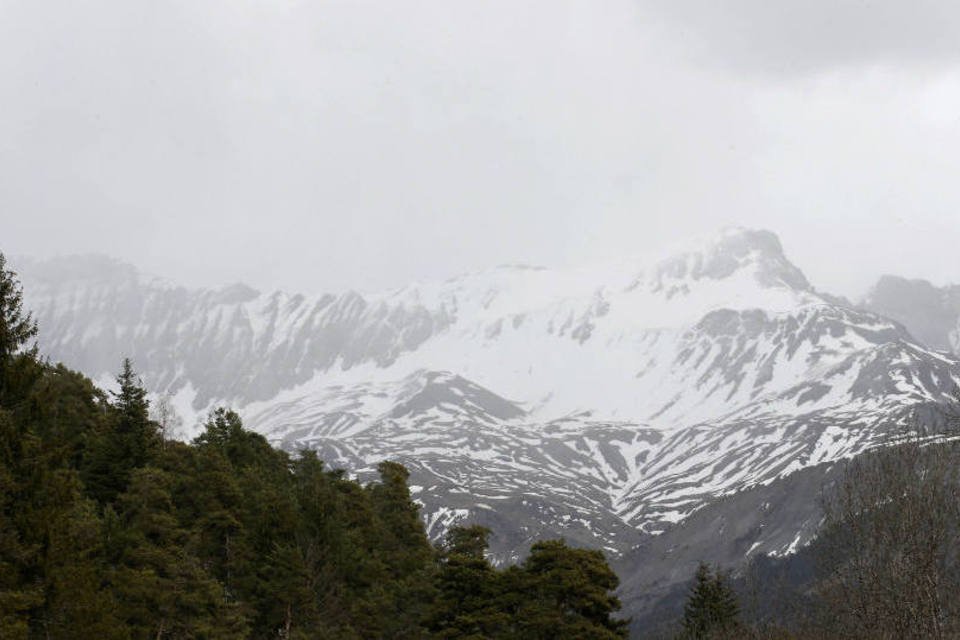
(334, 145)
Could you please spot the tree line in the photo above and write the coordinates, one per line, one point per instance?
(109, 531)
(885, 564)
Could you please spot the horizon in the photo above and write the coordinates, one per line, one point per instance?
(355, 145)
(642, 260)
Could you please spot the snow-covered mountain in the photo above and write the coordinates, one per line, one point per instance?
(604, 404)
(930, 313)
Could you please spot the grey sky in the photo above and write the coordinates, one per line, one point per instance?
(329, 144)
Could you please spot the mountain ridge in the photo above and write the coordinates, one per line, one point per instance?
(604, 404)
(931, 313)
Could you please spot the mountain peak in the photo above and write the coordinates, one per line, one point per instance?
(73, 269)
(735, 250)
(930, 313)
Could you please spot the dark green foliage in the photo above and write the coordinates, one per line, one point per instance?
(106, 534)
(712, 610)
(127, 441)
(17, 327)
(137, 434)
(566, 592)
(230, 538)
(18, 593)
(558, 592)
(160, 581)
(469, 542)
(469, 589)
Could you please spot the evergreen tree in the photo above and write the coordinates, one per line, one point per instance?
(17, 327)
(18, 593)
(290, 580)
(244, 449)
(711, 610)
(407, 548)
(210, 501)
(359, 584)
(338, 568)
(470, 542)
(165, 591)
(137, 433)
(562, 592)
(78, 605)
(468, 589)
(52, 531)
(129, 441)
(404, 550)
(106, 534)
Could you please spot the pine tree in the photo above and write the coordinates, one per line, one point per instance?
(207, 492)
(564, 592)
(17, 327)
(407, 545)
(290, 580)
(244, 449)
(471, 542)
(128, 442)
(53, 531)
(358, 588)
(467, 603)
(163, 587)
(711, 610)
(137, 433)
(104, 533)
(404, 550)
(18, 594)
(78, 606)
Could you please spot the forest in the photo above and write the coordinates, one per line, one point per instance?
(111, 530)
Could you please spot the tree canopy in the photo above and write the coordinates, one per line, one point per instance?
(106, 534)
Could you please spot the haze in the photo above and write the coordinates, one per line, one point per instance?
(326, 145)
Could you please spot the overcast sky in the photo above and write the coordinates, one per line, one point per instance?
(325, 144)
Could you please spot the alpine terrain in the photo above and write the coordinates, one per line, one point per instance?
(649, 408)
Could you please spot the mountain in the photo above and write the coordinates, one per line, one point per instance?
(931, 314)
(608, 404)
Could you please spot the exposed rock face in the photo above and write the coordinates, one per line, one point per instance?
(607, 405)
(929, 313)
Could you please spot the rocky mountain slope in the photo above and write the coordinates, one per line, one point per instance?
(931, 314)
(607, 404)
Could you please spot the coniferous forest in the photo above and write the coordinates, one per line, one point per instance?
(110, 531)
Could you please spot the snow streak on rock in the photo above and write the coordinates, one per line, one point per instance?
(601, 404)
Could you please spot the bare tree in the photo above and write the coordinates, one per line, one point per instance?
(888, 548)
(165, 414)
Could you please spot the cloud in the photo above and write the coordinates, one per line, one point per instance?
(366, 143)
(808, 36)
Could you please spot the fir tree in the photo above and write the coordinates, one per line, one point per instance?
(290, 580)
(163, 586)
(564, 592)
(18, 594)
(467, 603)
(129, 441)
(470, 542)
(106, 534)
(403, 532)
(711, 610)
(138, 434)
(244, 449)
(78, 605)
(17, 327)
(404, 550)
